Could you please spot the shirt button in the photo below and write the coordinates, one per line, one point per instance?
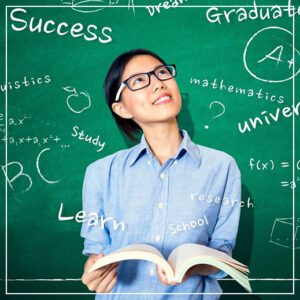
(160, 205)
(152, 272)
(149, 162)
(157, 237)
(175, 162)
(162, 175)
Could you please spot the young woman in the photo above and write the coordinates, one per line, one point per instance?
(156, 188)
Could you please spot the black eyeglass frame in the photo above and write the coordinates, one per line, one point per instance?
(125, 82)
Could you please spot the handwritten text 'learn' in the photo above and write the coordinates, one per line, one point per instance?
(92, 219)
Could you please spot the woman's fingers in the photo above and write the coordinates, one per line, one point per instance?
(112, 284)
(108, 281)
(101, 280)
(94, 284)
(89, 277)
(91, 260)
(161, 275)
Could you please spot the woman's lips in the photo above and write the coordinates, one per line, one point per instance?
(163, 100)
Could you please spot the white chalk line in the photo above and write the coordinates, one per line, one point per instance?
(79, 279)
(90, 293)
(144, 6)
(70, 279)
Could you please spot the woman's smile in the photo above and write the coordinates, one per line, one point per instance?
(163, 99)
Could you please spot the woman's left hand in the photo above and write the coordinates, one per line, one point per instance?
(162, 276)
(202, 269)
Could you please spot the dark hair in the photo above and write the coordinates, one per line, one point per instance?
(112, 83)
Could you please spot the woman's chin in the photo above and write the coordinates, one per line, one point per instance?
(165, 119)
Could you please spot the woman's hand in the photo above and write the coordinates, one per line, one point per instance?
(162, 276)
(101, 280)
(202, 269)
(198, 269)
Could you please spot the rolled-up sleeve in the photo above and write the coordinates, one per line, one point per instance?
(226, 228)
(96, 237)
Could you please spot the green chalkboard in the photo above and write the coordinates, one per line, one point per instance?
(238, 76)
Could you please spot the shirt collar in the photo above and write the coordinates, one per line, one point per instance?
(187, 145)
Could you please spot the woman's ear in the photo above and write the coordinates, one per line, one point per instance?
(120, 110)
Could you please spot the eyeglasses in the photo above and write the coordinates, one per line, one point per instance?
(142, 80)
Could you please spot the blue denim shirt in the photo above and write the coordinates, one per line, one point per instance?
(194, 197)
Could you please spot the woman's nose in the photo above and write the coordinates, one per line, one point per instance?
(156, 83)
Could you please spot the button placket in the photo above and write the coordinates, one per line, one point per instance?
(159, 214)
(162, 208)
(152, 272)
(157, 238)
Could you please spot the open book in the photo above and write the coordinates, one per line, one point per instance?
(179, 261)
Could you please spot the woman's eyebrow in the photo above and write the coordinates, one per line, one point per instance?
(145, 72)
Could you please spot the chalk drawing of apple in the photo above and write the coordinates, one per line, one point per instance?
(77, 102)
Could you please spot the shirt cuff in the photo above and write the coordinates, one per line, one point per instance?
(91, 247)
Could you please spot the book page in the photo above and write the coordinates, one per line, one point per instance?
(135, 251)
(240, 277)
(187, 255)
(139, 247)
(189, 251)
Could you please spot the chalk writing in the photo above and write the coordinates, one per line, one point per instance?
(152, 9)
(92, 219)
(39, 170)
(221, 85)
(219, 200)
(86, 138)
(282, 69)
(12, 122)
(290, 184)
(25, 82)
(217, 15)
(218, 115)
(50, 26)
(286, 112)
(31, 139)
(22, 177)
(2, 124)
(270, 165)
(261, 165)
(17, 121)
(183, 226)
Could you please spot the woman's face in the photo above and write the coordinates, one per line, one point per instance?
(140, 105)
